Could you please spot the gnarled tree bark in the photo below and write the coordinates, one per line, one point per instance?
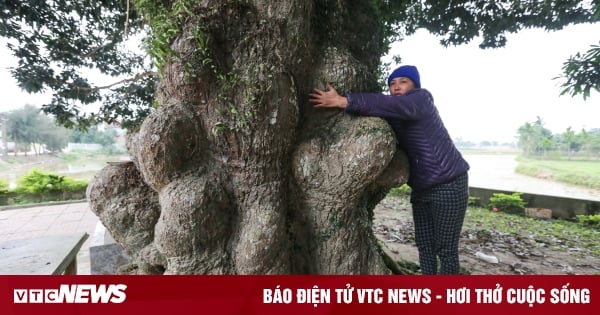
(235, 172)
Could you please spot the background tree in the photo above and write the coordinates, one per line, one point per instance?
(590, 142)
(22, 128)
(546, 144)
(526, 138)
(53, 138)
(534, 138)
(583, 138)
(235, 172)
(106, 137)
(568, 138)
(29, 128)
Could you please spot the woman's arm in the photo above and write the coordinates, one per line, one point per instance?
(327, 99)
(411, 106)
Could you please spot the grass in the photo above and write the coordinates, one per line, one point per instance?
(484, 151)
(556, 234)
(78, 165)
(578, 172)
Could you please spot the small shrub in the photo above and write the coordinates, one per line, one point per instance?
(41, 182)
(3, 187)
(70, 184)
(37, 182)
(593, 219)
(403, 190)
(474, 201)
(512, 204)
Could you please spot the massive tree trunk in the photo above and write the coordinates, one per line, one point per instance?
(235, 172)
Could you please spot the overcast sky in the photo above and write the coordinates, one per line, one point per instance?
(481, 94)
(489, 94)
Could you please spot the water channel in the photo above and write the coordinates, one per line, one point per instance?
(498, 172)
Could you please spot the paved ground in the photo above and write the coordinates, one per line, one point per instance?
(51, 220)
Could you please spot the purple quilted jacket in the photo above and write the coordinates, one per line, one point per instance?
(420, 131)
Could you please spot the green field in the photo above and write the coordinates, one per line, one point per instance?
(578, 172)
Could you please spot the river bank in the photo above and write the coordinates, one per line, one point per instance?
(497, 171)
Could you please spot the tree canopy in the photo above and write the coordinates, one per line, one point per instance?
(57, 42)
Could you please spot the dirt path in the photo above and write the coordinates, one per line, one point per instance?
(516, 254)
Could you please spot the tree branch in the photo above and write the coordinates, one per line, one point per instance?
(136, 78)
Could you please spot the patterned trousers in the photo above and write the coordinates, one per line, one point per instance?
(438, 215)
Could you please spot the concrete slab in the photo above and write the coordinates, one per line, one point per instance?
(45, 255)
(34, 221)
